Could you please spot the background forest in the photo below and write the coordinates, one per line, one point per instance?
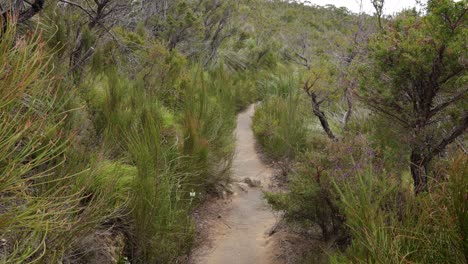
(117, 120)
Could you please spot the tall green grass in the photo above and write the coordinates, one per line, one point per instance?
(389, 225)
(44, 212)
(139, 130)
(177, 148)
(278, 122)
(209, 120)
(160, 206)
(128, 152)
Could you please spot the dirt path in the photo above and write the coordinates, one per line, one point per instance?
(242, 238)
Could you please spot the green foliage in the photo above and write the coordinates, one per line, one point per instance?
(278, 121)
(112, 178)
(174, 152)
(309, 201)
(312, 200)
(45, 211)
(457, 201)
(176, 132)
(390, 225)
(115, 122)
(416, 78)
(162, 74)
(388, 141)
(246, 89)
(163, 228)
(132, 40)
(208, 118)
(146, 136)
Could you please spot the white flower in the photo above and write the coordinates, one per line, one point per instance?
(192, 194)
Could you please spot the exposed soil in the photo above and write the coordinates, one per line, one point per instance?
(238, 230)
(241, 228)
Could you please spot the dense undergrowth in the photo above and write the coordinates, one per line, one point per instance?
(117, 119)
(355, 194)
(349, 188)
(114, 162)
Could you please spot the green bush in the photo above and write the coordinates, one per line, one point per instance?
(208, 122)
(114, 178)
(126, 151)
(246, 89)
(387, 140)
(175, 149)
(310, 202)
(160, 206)
(278, 122)
(45, 211)
(389, 224)
(311, 199)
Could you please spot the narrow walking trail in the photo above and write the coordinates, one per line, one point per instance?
(243, 238)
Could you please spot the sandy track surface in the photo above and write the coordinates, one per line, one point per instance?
(241, 235)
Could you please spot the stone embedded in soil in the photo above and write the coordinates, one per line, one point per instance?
(253, 183)
(103, 247)
(243, 186)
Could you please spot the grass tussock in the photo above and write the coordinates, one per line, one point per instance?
(278, 120)
(101, 156)
(45, 209)
(428, 228)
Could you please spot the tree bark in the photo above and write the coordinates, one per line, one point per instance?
(35, 8)
(349, 111)
(22, 16)
(418, 167)
(321, 116)
(456, 132)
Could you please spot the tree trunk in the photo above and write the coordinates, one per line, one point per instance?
(321, 116)
(349, 112)
(35, 8)
(420, 159)
(418, 167)
(76, 53)
(22, 16)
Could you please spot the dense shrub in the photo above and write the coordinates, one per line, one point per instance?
(45, 209)
(121, 154)
(346, 190)
(176, 148)
(311, 202)
(162, 226)
(312, 199)
(389, 224)
(278, 122)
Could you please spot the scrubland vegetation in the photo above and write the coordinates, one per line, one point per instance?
(370, 138)
(108, 137)
(117, 119)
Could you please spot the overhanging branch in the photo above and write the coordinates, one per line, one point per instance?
(456, 132)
